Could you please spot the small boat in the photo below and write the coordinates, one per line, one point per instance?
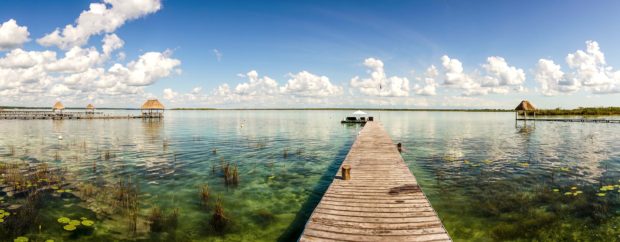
(359, 117)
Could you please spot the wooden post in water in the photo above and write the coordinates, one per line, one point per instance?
(516, 117)
(400, 147)
(346, 172)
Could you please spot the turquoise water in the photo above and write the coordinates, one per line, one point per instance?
(487, 179)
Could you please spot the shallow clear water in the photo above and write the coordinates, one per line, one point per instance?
(487, 179)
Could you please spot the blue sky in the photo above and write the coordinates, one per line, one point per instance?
(295, 43)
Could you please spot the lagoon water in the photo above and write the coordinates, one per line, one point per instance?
(487, 179)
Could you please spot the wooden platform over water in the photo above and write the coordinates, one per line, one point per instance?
(575, 120)
(29, 115)
(381, 202)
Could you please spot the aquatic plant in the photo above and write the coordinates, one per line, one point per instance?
(126, 194)
(219, 220)
(235, 175)
(107, 155)
(156, 220)
(285, 153)
(226, 172)
(264, 217)
(87, 190)
(88, 223)
(11, 150)
(133, 221)
(165, 144)
(21, 239)
(214, 151)
(75, 222)
(23, 217)
(204, 194)
(69, 227)
(124, 200)
(64, 220)
(159, 221)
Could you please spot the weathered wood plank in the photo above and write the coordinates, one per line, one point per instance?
(381, 202)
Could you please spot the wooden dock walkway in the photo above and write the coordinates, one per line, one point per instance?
(380, 202)
(29, 115)
(576, 120)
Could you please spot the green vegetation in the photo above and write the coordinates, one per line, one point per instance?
(193, 109)
(581, 111)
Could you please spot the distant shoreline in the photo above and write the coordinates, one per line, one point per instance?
(352, 109)
(590, 111)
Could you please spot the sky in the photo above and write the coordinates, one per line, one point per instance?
(298, 54)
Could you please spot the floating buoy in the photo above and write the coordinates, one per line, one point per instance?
(59, 137)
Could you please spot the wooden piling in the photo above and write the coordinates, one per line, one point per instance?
(346, 172)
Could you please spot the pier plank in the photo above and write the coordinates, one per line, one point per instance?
(381, 202)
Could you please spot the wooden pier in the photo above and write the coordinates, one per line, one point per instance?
(381, 200)
(29, 115)
(575, 120)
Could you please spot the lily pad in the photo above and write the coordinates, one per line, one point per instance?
(556, 190)
(69, 227)
(21, 239)
(601, 194)
(88, 223)
(75, 222)
(64, 220)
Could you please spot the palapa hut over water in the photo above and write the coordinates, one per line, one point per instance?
(58, 107)
(525, 106)
(152, 108)
(90, 109)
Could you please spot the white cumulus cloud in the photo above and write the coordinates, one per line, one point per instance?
(591, 70)
(552, 79)
(501, 74)
(147, 69)
(430, 84)
(496, 77)
(306, 84)
(12, 35)
(104, 17)
(588, 69)
(169, 94)
(379, 84)
(111, 42)
(257, 85)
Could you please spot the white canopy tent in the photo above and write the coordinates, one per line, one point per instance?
(359, 113)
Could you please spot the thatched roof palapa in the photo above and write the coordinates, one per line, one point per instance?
(525, 105)
(152, 104)
(90, 106)
(58, 106)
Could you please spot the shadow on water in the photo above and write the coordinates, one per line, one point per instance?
(293, 232)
